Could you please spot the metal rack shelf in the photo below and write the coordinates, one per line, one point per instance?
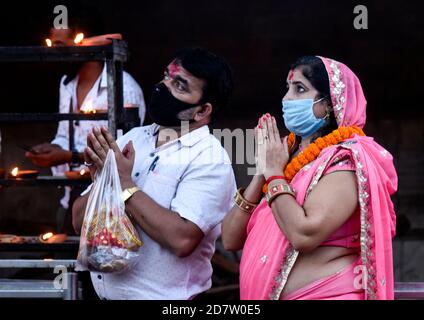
(129, 117)
(33, 243)
(39, 247)
(114, 55)
(50, 117)
(117, 51)
(117, 116)
(29, 288)
(44, 181)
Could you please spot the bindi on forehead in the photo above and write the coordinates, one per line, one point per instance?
(173, 69)
(291, 75)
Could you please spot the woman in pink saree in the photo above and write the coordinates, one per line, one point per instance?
(325, 229)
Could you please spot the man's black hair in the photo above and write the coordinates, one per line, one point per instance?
(214, 70)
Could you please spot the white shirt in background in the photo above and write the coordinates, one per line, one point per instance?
(95, 99)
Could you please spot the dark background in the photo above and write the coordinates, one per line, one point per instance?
(259, 39)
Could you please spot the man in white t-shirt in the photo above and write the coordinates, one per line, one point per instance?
(83, 88)
(178, 182)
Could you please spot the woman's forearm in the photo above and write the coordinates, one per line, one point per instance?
(289, 215)
(291, 218)
(163, 225)
(234, 225)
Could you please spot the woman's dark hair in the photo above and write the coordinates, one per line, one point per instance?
(313, 69)
(214, 70)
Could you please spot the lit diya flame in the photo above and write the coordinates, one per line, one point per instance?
(15, 172)
(48, 42)
(50, 237)
(47, 236)
(88, 107)
(78, 38)
(82, 172)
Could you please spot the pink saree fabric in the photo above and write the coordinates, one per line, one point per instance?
(338, 286)
(268, 256)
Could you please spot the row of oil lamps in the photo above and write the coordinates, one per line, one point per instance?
(17, 173)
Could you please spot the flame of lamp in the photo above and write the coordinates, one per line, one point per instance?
(78, 38)
(15, 171)
(47, 236)
(88, 107)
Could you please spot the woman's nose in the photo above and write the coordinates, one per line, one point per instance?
(286, 97)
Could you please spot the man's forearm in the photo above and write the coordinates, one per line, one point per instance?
(163, 225)
(78, 211)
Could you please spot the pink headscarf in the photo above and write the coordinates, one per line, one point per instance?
(346, 94)
(268, 256)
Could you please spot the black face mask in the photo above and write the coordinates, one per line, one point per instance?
(164, 107)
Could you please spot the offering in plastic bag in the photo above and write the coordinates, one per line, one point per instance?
(109, 242)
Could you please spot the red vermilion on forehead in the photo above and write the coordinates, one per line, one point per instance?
(173, 69)
(291, 74)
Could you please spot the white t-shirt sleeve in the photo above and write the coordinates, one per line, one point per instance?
(205, 193)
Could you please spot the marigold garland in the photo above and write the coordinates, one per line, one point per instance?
(312, 151)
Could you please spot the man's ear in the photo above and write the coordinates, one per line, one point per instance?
(203, 112)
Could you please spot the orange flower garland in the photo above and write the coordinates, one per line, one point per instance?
(312, 151)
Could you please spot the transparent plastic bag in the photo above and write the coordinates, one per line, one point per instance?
(109, 242)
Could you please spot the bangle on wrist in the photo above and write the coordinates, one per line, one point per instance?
(128, 193)
(278, 190)
(243, 204)
(269, 180)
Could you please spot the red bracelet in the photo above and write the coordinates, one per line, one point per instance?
(269, 180)
(272, 178)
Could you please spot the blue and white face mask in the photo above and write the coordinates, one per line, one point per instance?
(299, 117)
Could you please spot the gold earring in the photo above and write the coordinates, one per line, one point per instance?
(327, 115)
